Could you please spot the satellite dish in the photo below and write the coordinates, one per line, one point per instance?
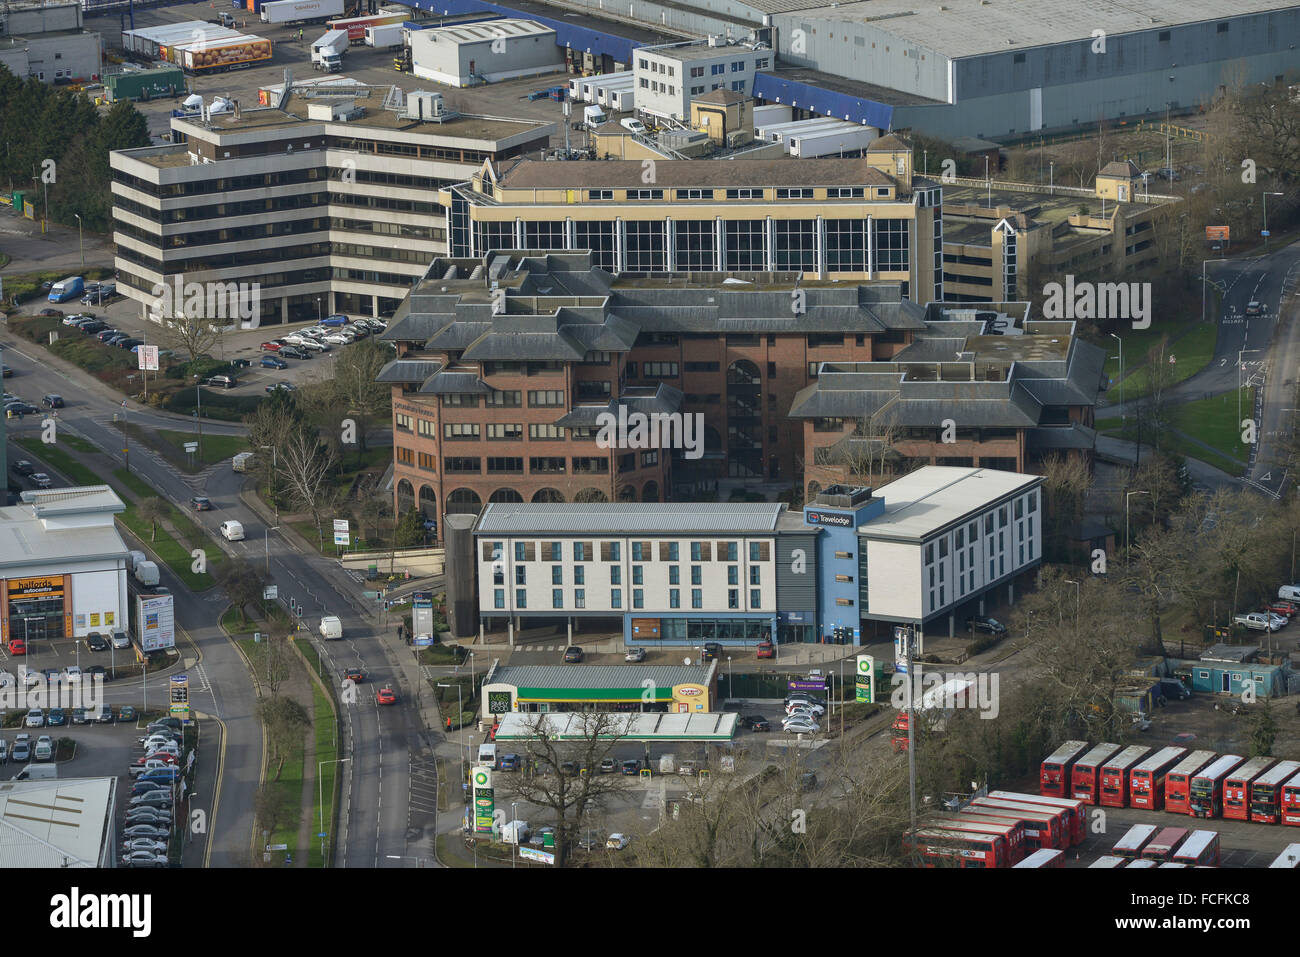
(686, 661)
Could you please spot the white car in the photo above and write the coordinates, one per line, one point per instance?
(617, 842)
(149, 831)
(35, 719)
(297, 339)
(632, 126)
(232, 531)
(337, 338)
(799, 725)
(121, 640)
(812, 706)
(144, 859)
(1278, 621)
(72, 673)
(313, 345)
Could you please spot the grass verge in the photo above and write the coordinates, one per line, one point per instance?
(213, 448)
(1192, 345)
(60, 460)
(326, 749)
(1214, 421)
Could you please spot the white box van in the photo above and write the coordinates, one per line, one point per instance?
(1291, 592)
(331, 627)
(487, 756)
(242, 462)
(232, 531)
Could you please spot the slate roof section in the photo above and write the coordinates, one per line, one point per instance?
(455, 383)
(408, 370)
(677, 174)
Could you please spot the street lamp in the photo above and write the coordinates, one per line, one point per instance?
(1121, 381)
(514, 847)
(320, 796)
(460, 711)
(1204, 263)
(731, 693)
(1071, 581)
(988, 182)
(1266, 196)
(266, 544)
(318, 309)
(82, 249)
(1126, 538)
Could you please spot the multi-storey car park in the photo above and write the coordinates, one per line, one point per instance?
(328, 201)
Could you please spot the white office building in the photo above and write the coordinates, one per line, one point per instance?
(669, 77)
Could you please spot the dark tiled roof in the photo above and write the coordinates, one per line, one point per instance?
(455, 383)
(408, 370)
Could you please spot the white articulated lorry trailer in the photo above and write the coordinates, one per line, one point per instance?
(386, 36)
(327, 53)
(848, 139)
(301, 11)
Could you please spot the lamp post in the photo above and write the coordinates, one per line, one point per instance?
(1205, 263)
(320, 796)
(1051, 178)
(1266, 196)
(318, 310)
(82, 249)
(988, 182)
(1121, 381)
(198, 416)
(266, 545)
(1126, 538)
(730, 686)
(460, 710)
(1071, 581)
(274, 466)
(514, 847)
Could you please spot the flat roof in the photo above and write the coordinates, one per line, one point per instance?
(46, 529)
(627, 518)
(788, 171)
(55, 823)
(963, 28)
(653, 726)
(935, 496)
(589, 677)
(505, 28)
(835, 83)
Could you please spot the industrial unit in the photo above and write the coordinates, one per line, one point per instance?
(47, 42)
(473, 53)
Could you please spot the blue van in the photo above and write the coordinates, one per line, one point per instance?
(65, 289)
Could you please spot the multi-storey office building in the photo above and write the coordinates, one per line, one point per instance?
(328, 201)
(922, 550)
(862, 218)
(668, 77)
(984, 390)
(505, 365)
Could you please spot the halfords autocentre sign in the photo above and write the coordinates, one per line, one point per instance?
(48, 587)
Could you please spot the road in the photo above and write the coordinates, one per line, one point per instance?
(377, 820)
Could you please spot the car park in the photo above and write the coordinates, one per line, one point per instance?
(71, 674)
(297, 339)
(149, 787)
(96, 642)
(7, 680)
(572, 654)
(56, 718)
(129, 343)
(165, 724)
(35, 719)
(635, 654)
(272, 362)
(1279, 621)
(762, 724)
(92, 670)
(107, 334)
(22, 749)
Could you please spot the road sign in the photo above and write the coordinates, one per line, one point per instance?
(277, 847)
(342, 538)
(1264, 233)
(271, 592)
(191, 446)
(1217, 233)
(341, 525)
(148, 358)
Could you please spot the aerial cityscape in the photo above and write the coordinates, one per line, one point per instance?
(645, 434)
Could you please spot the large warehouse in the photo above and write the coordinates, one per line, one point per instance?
(996, 69)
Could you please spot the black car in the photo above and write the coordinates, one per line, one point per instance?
(97, 670)
(105, 715)
(90, 328)
(52, 401)
(200, 503)
(293, 352)
(6, 373)
(23, 467)
(569, 768)
(51, 313)
(712, 650)
(983, 623)
(241, 363)
(96, 642)
(750, 720)
(129, 344)
(761, 724)
(572, 654)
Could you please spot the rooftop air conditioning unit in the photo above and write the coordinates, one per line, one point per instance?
(424, 105)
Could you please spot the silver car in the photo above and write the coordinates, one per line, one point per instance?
(144, 844)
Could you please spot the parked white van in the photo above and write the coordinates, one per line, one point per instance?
(1291, 592)
(331, 627)
(232, 531)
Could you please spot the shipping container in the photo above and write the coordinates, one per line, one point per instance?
(1178, 781)
(837, 140)
(1115, 775)
(1236, 788)
(772, 113)
(1086, 773)
(1146, 787)
(234, 55)
(145, 84)
(387, 36)
(356, 26)
(1266, 792)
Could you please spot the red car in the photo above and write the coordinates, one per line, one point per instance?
(386, 696)
(1284, 607)
(766, 649)
(159, 756)
(17, 646)
(355, 675)
(271, 346)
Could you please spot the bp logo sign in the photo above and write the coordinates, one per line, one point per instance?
(865, 683)
(481, 779)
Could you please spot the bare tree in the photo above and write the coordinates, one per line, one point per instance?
(192, 336)
(153, 511)
(1067, 480)
(286, 721)
(355, 380)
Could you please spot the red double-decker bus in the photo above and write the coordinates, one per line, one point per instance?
(938, 847)
(1266, 791)
(1178, 782)
(1162, 846)
(1291, 801)
(1054, 777)
(1146, 785)
(1076, 811)
(1012, 830)
(1207, 786)
(1115, 775)
(1044, 826)
(1084, 776)
(1201, 849)
(1236, 788)
(1134, 840)
(1044, 857)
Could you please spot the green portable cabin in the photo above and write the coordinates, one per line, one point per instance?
(159, 81)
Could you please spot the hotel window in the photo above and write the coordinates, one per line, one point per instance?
(499, 598)
(697, 575)
(697, 598)
(610, 551)
(733, 597)
(659, 370)
(696, 90)
(891, 245)
(1033, 502)
(796, 244)
(557, 574)
(828, 424)
(523, 551)
(645, 245)
(1020, 508)
(745, 193)
(616, 598)
(521, 573)
(599, 194)
(645, 194)
(504, 399)
(755, 598)
(697, 71)
(580, 598)
(545, 398)
(762, 64)
(718, 69)
(701, 552)
(545, 431)
(505, 431)
(674, 574)
(674, 598)
(668, 551)
(428, 462)
(738, 86)
(730, 549)
(755, 575)
(1002, 517)
(794, 192)
(638, 574)
(759, 551)
(616, 575)
(459, 402)
(846, 245)
(460, 430)
(521, 598)
(696, 244)
(403, 421)
(580, 551)
(557, 597)
(505, 465)
(733, 574)
(737, 66)
(405, 456)
(553, 551)
(638, 598)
